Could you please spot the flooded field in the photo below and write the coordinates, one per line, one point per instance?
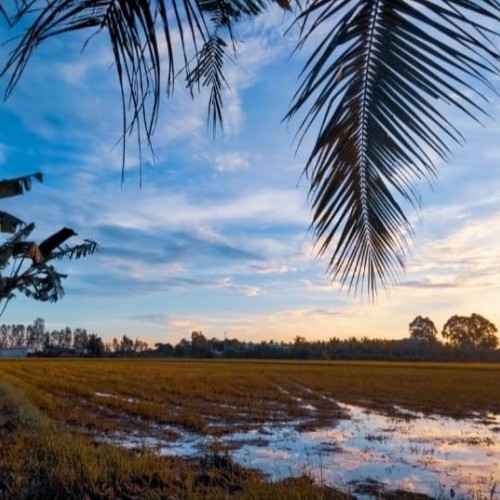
(436, 432)
(364, 453)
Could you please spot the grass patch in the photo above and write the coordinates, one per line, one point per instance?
(51, 408)
(43, 459)
(214, 396)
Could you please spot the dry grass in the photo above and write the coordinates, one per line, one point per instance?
(43, 459)
(215, 396)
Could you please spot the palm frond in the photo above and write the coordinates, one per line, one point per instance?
(21, 234)
(40, 282)
(55, 240)
(28, 249)
(374, 90)
(136, 31)
(208, 72)
(209, 69)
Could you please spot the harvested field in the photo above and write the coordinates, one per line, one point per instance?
(250, 409)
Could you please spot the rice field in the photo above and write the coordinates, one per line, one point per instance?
(138, 401)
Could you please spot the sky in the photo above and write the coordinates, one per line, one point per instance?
(218, 236)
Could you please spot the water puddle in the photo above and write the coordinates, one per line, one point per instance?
(439, 456)
(436, 456)
(116, 396)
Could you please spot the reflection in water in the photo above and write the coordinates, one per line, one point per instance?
(424, 454)
(432, 455)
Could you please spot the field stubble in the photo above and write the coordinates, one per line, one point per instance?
(159, 397)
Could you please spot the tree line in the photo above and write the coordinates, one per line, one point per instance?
(38, 340)
(463, 338)
(42, 342)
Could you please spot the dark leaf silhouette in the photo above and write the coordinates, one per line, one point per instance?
(30, 272)
(9, 223)
(17, 186)
(208, 73)
(374, 89)
(136, 31)
(55, 240)
(89, 247)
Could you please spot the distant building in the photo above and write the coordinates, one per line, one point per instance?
(14, 352)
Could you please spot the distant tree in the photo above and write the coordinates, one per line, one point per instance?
(470, 332)
(199, 344)
(423, 330)
(80, 338)
(300, 347)
(165, 349)
(140, 346)
(17, 336)
(57, 338)
(95, 346)
(67, 340)
(4, 337)
(183, 348)
(38, 334)
(126, 345)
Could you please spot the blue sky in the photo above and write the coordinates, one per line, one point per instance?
(217, 239)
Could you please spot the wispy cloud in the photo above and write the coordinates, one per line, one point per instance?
(231, 162)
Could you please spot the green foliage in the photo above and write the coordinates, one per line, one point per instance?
(470, 332)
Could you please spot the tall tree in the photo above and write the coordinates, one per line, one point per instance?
(95, 346)
(423, 330)
(470, 332)
(374, 91)
(80, 338)
(199, 344)
(126, 345)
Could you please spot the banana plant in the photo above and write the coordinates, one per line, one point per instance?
(26, 266)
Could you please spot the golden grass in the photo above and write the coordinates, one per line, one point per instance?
(43, 459)
(232, 394)
(213, 397)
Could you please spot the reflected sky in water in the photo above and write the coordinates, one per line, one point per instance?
(426, 454)
(432, 455)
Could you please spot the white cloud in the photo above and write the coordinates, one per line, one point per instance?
(247, 290)
(231, 162)
(154, 209)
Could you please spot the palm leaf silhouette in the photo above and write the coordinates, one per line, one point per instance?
(374, 89)
(374, 93)
(136, 30)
